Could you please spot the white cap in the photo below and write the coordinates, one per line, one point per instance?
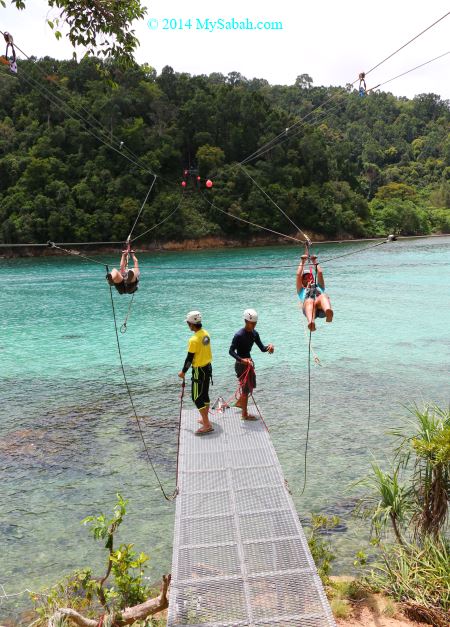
(194, 317)
(250, 315)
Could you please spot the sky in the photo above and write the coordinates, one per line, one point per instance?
(329, 40)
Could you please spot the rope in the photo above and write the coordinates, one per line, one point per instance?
(407, 43)
(275, 204)
(123, 328)
(355, 252)
(142, 206)
(409, 71)
(138, 422)
(260, 414)
(74, 253)
(183, 387)
(315, 355)
(309, 395)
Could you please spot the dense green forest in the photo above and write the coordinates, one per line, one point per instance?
(360, 166)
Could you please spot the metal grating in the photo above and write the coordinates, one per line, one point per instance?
(240, 557)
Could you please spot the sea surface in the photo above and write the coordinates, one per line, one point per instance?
(68, 439)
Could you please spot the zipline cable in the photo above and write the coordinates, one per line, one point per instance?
(142, 207)
(230, 215)
(138, 422)
(74, 253)
(409, 71)
(275, 204)
(159, 223)
(284, 133)
(63, 108)
(407, 43)
(108, 134)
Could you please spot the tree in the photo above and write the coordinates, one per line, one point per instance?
(304, 81)
(102, 27)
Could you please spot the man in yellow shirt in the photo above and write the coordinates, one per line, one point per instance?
(199, 357)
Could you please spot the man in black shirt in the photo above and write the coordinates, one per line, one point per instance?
(240, 349)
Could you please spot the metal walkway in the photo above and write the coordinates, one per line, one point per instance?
(240, 555)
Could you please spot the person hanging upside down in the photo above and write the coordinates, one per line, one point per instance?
(311, 291)
(124, 280)
(240, 349)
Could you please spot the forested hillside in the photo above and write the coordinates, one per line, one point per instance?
(360, 166)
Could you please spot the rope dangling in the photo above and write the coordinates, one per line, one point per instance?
(123, 328)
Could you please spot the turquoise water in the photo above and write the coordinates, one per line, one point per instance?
(68, 441)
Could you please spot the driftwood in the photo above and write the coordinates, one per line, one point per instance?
(127, 617)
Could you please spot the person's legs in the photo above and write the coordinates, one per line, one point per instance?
(114, 276)
(200, 396)
(308, 308)
(323, 302)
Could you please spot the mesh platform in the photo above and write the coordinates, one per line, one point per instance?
(240, 556)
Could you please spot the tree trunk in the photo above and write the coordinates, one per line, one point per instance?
(127, 617)
(396, 530)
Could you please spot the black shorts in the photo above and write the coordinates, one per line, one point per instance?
(201, 377)
(247, 386)
(126, 288)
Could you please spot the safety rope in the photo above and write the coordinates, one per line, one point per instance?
(183, 387)
(259, 412)
(390, 238)
(305, 331)
(74, 253)
(138, 422)
(123, 328)
(309, 393)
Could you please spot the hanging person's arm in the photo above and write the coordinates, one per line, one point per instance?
(300, 270)
(318, 271)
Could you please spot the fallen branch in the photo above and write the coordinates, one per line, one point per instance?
(127, 617)
(152, 606)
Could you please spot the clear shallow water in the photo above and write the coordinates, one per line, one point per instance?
(68, 442)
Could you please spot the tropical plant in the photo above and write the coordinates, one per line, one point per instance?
(319, 544)
(419, 577)
(387, 501)
(427, 448)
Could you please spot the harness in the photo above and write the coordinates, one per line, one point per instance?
(362, 85)
(10, 45)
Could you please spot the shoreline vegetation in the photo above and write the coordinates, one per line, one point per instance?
(205, 243)
(371, 166)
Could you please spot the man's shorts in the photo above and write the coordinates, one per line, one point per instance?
(201, 377)
(126, 288)
(249, 384)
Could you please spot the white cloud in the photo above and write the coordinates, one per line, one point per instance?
(331, 41)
